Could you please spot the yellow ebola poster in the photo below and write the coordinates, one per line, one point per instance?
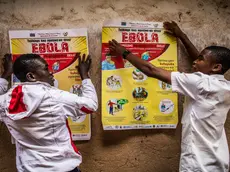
(58, 48)
(130, 99)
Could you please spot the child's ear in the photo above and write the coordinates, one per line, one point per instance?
(217, 68)
(30, 77)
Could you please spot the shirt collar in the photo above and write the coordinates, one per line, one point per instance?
(218, 76)
(33, 83)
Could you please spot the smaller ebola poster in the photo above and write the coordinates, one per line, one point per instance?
(130, 99)
(58, 48)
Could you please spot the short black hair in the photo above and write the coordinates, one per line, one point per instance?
(221, 55)
(24, 64)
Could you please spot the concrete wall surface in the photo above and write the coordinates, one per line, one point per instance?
(206, 23)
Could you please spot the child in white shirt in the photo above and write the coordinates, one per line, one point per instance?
(204, 145)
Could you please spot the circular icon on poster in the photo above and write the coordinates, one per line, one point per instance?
(116, 105)
(76, 89)
(138, 75)
(140, 94)
(56, 66)
(140, 113)
(164, 86)
(79, 119)
(145, 55)
(114, 82)
(166, 106)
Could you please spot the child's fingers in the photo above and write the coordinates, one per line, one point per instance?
(77, 55)
(79, 60)
(88, 58)
(168, 32)
(166, 24)
(115, 42)
(83, 58)
(112, 43)
(111, 48)
(174, 23)
(7, 56)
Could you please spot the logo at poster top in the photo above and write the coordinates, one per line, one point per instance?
(155, 25)
(32, 34)
(65, 34)
(123, 23)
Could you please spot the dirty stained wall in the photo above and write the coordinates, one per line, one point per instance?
(205, 22)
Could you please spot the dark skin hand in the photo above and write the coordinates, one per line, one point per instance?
(144, 66)
(84, 66)
(173, 29)
(7, 66)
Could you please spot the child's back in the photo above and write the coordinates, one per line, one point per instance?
(37, 120)
(36, 115)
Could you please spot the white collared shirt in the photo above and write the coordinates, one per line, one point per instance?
(36, 116)
(204, 145)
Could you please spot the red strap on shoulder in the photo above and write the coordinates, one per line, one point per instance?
(16, 103)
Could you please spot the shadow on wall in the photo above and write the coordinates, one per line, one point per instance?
(111, 138)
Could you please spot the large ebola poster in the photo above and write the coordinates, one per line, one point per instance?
(130, 99)
(58, 48)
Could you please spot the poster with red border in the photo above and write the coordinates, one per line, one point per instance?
(130, 99)
(58, 47)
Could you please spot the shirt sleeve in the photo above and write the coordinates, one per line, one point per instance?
(75, 105)
(1, 116)
(2, 111)
(3, 90)
(186, 84)
(3, 86)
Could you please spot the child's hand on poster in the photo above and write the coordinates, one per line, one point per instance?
(7, 66)
(84, 66)
(115, 48)
(173, 28)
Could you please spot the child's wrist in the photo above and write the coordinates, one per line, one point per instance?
(85, 76)
(182, 35)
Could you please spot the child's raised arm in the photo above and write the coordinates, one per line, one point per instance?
(173, 28)
(88, 101)
(8, 70)
(7, 66)
(144, 66)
